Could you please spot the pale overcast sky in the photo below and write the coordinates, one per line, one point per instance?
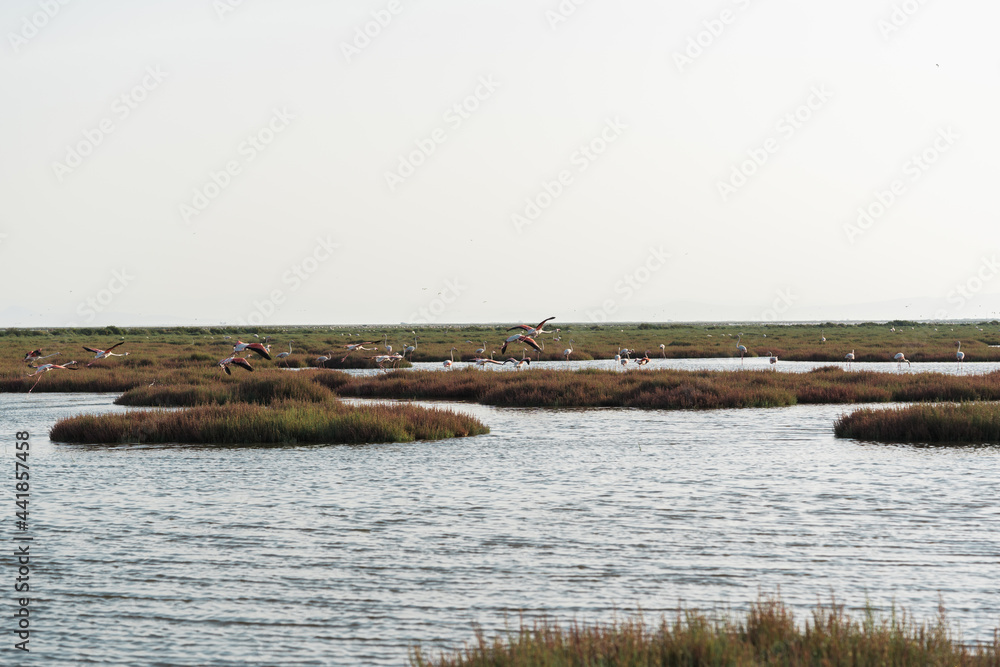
(207, 161)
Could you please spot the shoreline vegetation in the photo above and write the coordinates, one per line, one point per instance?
(827, 342)
(668, 389)
(949, 424)
(767, 634)
(647, 389)
(178, 367)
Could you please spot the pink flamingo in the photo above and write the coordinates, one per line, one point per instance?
(104, 354)
(44, 368)
(236, 361)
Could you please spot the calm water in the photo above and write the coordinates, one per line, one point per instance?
(731, 364)
(349, 555)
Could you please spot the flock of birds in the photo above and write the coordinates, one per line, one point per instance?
(525, 334)
(36, 355)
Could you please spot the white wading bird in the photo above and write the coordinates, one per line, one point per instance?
(899, 361)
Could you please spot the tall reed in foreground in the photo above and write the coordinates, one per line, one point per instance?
(766, 635)
(965, 423)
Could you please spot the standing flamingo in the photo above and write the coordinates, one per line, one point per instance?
(849, 358)
(643, 360)
(569, 350)
(774, 360)
(448, 363)
(104, 354)
(284, 355)
(663, 350)
(899, 361)
(740, 348)
(409, 349)
(959, 355)
(482, 350)
(385, 343)
(44, 368)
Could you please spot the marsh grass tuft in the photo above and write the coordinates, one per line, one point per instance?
(965, 423)
(263, 390)
(766, 635)
(282, 422)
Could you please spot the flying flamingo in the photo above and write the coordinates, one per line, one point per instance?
(256, 348)
(899, 361)
(36, 355)
(569, 350)
(104, 354)
(354, 347)
(535, 330)
(491, 360)
(380, 359)
(448, 363)
(284, 355)
(524, 361)
(849, 358)
(239, 361)
(741, 348)
(44, 368)
(959, 355)
(523, 338)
